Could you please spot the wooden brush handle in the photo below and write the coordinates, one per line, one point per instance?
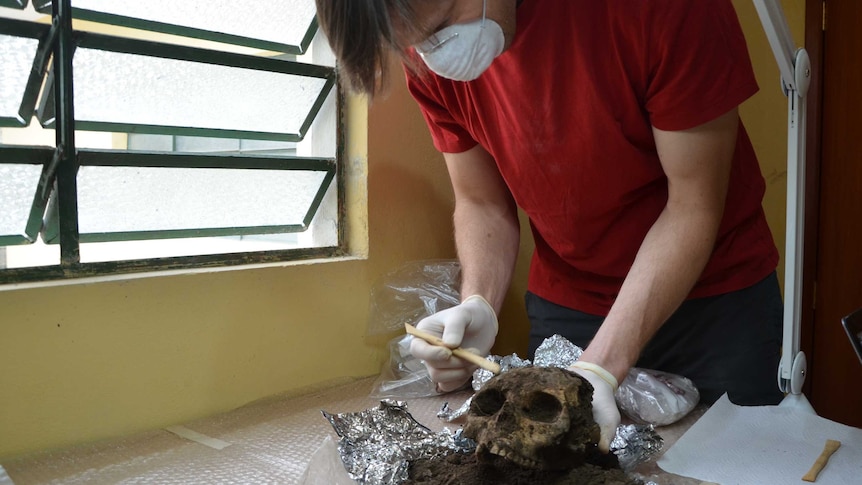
(457, 352)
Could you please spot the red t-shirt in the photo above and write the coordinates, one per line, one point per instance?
(567, 113)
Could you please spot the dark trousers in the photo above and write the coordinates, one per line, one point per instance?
(726, 343)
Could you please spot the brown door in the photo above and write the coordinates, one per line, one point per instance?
(835, 373)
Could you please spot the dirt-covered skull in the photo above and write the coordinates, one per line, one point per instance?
(537, 417)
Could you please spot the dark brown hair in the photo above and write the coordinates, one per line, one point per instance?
(362, 34)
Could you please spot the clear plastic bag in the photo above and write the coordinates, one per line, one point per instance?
(412, 292)
(407, 295)
(655, 397)
(403, 377)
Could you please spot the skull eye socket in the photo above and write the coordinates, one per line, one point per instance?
(488, 403)
(543, 407)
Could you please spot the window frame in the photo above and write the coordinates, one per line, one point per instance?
(60, 166)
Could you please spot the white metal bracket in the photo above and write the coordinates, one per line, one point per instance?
(795, 68)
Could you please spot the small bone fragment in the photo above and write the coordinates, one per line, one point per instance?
(831, 447)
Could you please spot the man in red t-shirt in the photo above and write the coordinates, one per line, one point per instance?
(614, 125)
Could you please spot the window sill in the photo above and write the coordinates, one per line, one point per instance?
(110, 278)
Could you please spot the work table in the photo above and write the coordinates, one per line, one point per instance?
(267, 441)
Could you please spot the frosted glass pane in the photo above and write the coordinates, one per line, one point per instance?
(132, 199)
(199, 144)
(260, 146)
(16, 59)
(113, 87)
(17, 190)
(192, 144)
(281, 22)
(147, 142)
(196, 144)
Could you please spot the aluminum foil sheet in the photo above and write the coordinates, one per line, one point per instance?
(556, 351)
(635, 443)
(377, 445)
(481, 376)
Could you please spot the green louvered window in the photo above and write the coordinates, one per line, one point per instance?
(153, 135)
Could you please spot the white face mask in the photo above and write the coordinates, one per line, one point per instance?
(462, 52)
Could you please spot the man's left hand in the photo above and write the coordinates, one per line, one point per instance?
(605, 411)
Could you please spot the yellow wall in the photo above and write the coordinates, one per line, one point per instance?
(82, 362)
(765, 114)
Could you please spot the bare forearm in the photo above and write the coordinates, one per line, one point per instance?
(677, 247)
(486, 225)
(666, 268)
(487, 238)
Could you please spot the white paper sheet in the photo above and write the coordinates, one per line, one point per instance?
(763, 445)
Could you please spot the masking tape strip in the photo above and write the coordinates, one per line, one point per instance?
(4, 477)
(203, 439)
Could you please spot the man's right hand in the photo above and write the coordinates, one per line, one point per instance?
(471, 325)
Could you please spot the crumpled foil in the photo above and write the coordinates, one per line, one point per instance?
(507, 363)
(635, 443)
(556, 351)
(377, 445)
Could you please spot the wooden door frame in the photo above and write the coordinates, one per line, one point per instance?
(814, 11)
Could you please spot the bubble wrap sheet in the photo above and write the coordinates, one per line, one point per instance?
(270, 441)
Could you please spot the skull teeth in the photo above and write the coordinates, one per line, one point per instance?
(513, 456)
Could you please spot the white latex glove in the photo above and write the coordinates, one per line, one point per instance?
(605, 411)
(471, 325)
